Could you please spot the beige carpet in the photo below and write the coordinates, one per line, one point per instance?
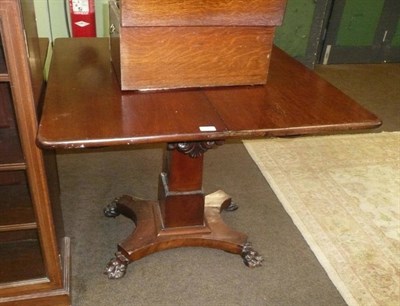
(343, 194)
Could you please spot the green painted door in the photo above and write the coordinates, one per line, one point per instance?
(363, 31)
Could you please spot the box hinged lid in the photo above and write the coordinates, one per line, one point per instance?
(201, 12)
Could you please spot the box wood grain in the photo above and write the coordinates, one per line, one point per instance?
(180, 44)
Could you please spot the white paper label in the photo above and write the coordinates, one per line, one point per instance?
(208, 128)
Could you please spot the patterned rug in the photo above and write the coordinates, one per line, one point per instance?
(343, 194)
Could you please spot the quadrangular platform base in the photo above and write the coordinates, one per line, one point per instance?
(151, 236)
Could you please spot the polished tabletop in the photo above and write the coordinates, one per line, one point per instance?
(84, 106)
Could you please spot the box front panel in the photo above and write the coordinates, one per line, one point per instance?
(174, 57)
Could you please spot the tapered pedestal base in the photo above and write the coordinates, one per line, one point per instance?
(150, 234)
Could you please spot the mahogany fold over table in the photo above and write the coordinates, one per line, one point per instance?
(84, 107)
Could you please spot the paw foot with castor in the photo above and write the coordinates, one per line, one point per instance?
(116, 267)
(250, 257)
(111, 209)
(231, 207)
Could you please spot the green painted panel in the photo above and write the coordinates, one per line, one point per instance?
(59, 26)
(396, 37)
(293, 35)
(42, 18)
(359, 22)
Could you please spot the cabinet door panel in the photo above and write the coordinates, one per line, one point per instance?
(10, 146)
(5, 106)
(4, 101)
(3, 66)
(21, 258)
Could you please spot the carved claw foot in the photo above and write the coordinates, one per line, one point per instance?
(116, 267)
(111, 210)
(250, 257)
(231, 207)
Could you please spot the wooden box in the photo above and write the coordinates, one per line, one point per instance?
(162, 44)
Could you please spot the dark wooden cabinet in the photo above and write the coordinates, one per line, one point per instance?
(34, 254)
